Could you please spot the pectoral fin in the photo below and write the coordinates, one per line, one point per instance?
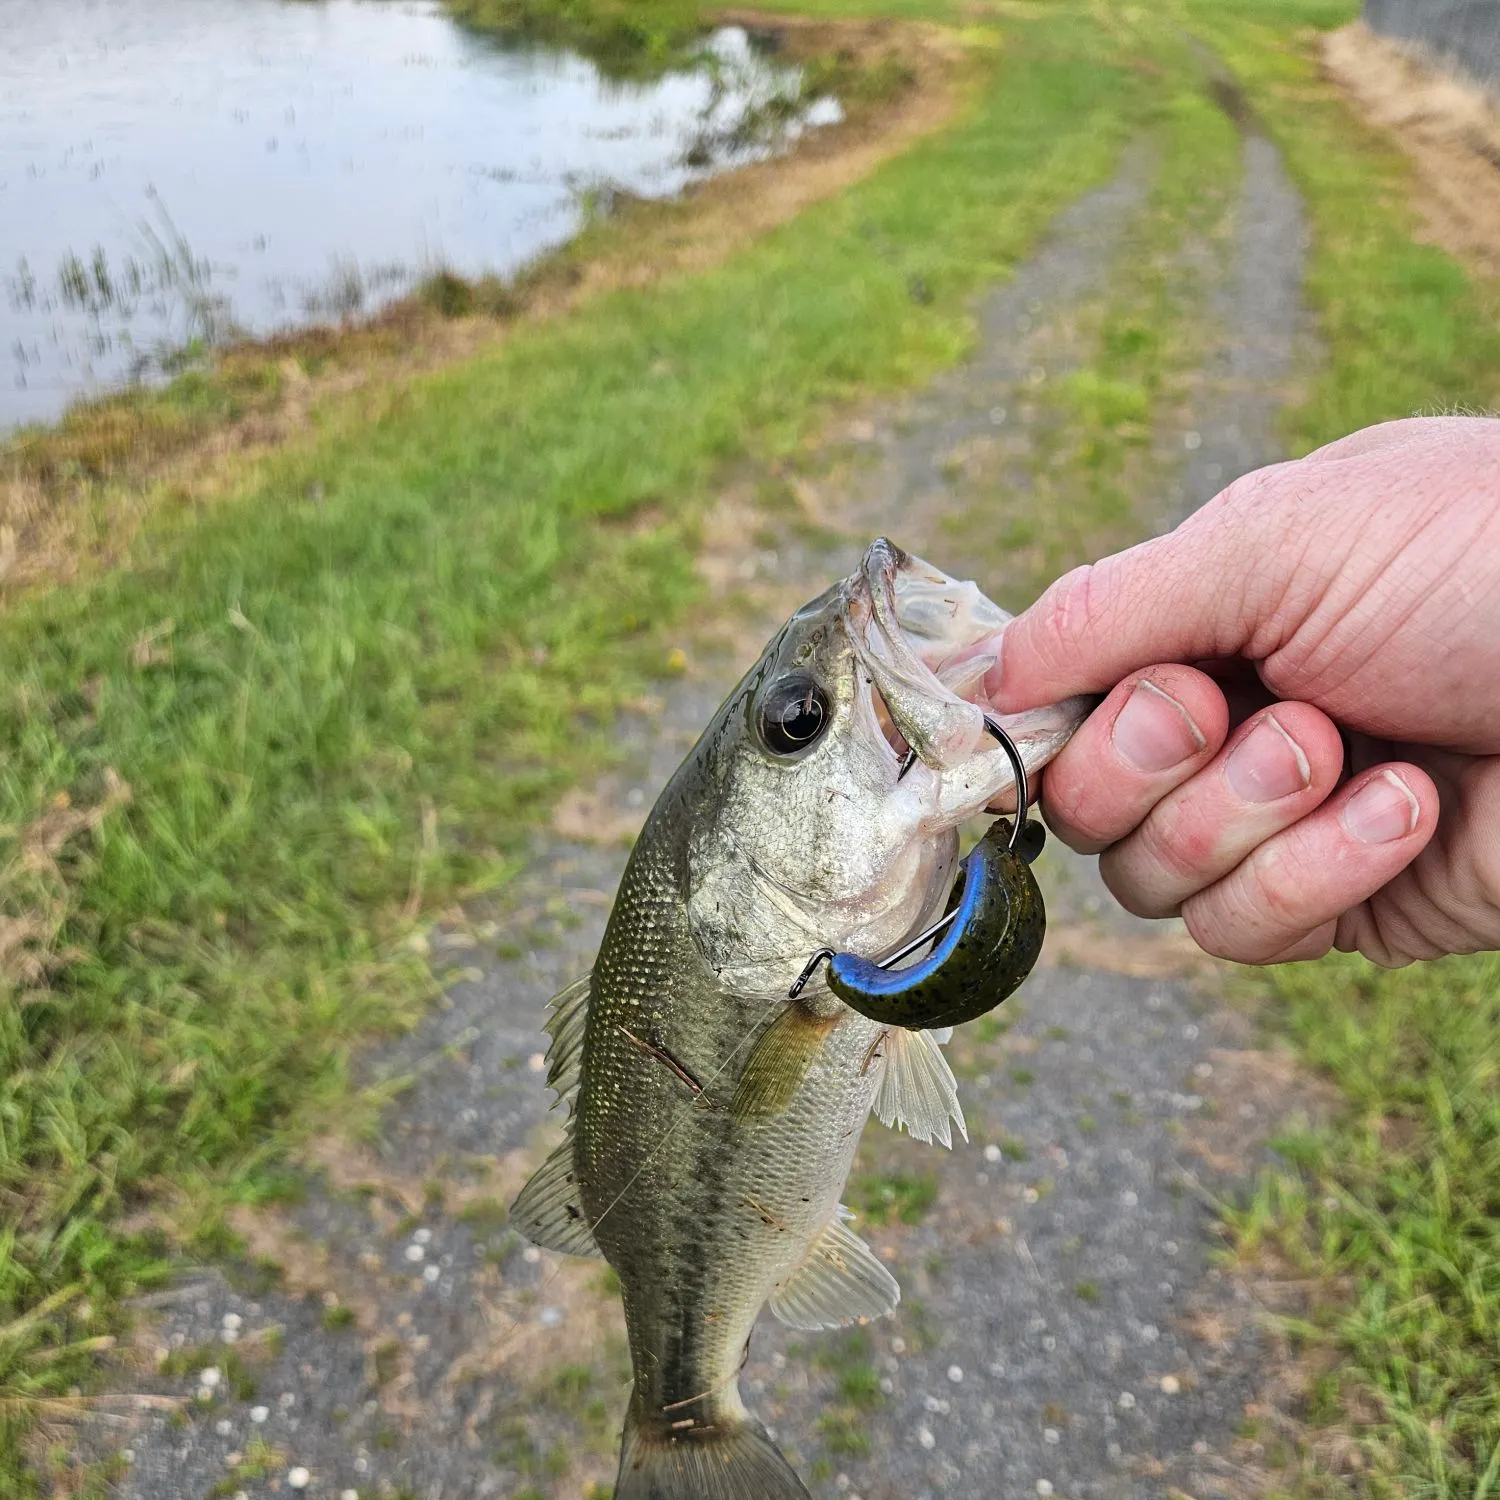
(840, 1282)
(917, 1090)
(779, 1062)
(549, 1209)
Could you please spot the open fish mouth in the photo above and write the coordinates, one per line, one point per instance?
(925, 643)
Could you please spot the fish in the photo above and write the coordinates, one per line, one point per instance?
(711, 1119)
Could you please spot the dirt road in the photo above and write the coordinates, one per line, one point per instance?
(1063, 1330)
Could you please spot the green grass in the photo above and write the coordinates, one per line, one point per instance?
(386, 656)
(320, 708)
(1406, 330)
(893, 1197)
(1395, 1212)
(626, 38)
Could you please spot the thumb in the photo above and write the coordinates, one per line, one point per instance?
(1199, 592)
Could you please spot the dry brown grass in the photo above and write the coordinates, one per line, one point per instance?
(1449, 128)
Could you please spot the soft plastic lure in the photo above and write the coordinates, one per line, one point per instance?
(989, 938)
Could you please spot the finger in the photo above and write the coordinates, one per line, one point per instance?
(1180, 597)
(1277, 767)
(1148, 736)
(1319, 868)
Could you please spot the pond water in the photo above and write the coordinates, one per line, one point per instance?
(174, 172)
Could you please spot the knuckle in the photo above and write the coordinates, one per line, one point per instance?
(1065, 616)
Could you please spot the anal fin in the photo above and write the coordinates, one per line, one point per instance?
(917, 1090)
(779, 1062)
(840, 1282)
(549, 1209)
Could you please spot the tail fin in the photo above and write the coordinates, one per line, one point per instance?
(731, 1461)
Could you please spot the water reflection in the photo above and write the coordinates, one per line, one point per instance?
(173, 172)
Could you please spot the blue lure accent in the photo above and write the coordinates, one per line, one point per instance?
(848, 972)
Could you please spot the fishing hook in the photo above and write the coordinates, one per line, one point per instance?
(1017, 832)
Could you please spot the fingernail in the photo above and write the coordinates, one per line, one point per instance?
(1154, 732)
(1382, 810)
(1267, 764)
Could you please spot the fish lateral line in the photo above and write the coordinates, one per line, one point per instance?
(665, 1058)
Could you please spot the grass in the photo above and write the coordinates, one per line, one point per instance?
(1395, 1214)
(626, 38)
(235, 773)
(238, 771)
(894, 1197)
(1394, 1211)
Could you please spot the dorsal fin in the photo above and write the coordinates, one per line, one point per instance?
(549, 1209)
(839, 1282)
(917, 1090)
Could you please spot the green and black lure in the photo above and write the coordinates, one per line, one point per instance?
(991, 935)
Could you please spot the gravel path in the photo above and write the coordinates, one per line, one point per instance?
(1062, 1333)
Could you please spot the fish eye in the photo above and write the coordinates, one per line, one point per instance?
(793, 714)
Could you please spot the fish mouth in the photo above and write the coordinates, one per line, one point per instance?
(925, 644)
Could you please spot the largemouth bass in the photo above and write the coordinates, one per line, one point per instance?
(713, 1121)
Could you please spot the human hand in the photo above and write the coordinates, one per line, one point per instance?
(1283, 795)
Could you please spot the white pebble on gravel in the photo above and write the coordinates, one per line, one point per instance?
(223, 1426)
(348, 1495)
(1031, 1195)
(259, 1413)
(1170, 1384)
(422, 1236)
(415, 1253)
(531, 1255)
(926, 1439)
(233, 1322)
(887, 1385)
(298, 1478)
(1044, 1486)
(431, 1274)
(955, 1373)
(1051, 1435)
(992, 1153)
(286, 1398)
(1126, 1401)
(536, 1062)
(1200, 1447)
(209, 1377)
(127, 1455)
